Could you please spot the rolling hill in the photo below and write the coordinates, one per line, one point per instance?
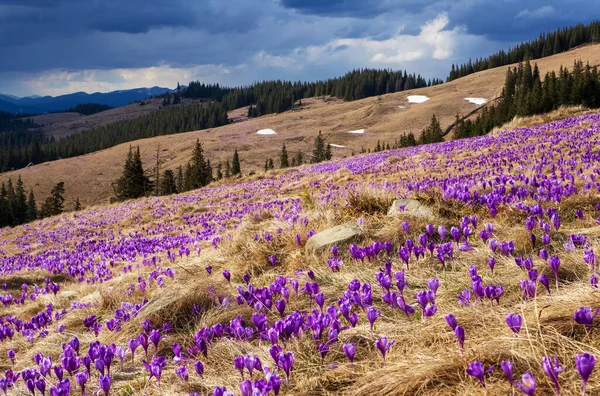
(89, 177)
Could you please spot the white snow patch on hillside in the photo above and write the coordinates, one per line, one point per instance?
(417, 98)
(477, 101)
(358, 131)
(336, 145)
(266, 132)
(401, 107)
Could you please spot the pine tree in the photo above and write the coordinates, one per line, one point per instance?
(77, 205)
(200, 172)
(19, 204)
(179, 179)
(235, 164)
(31, 207)
(219, 171)
(299, 159)
(227, 169)
(328, 154)
(318, 154)
(54, 203)
(168, 185)
(271, 164)
(266, 164)
(188, 178)
(284, 162)
(133, 183)
(4, 209)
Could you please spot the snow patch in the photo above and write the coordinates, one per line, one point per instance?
(358, 131)
(266, 132)
(477, 101)
(417, 98)
(336, 145)
(402, 107)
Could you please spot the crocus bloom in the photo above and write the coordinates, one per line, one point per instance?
(459, 332)
(11, 356)
(383, 345)
(552, 368)
(585, 365)
(199, 367)
(451, 320)
(543, 279)
(584, 316)
(514, 322)
(227, 275)
(81, 378)
(477, 370)
(372, 315)
(350, 351)
(554, 263)
(527, 384)
(491, 261)
(104, 381)
(182, 372)
(507, 367)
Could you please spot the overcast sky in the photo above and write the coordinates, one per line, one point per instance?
(61, 46)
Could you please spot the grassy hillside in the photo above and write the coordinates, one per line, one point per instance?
(89, 177)
(120, 266)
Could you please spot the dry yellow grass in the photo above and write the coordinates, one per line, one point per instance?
(89, 177)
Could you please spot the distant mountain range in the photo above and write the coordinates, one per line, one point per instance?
(47, 104)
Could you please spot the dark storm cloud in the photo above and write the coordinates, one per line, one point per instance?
(41, 35)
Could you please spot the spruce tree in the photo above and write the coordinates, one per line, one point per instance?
(199, 176)
(4, 214)
(168, 185)
(227, 169)
(219, 171)
(133, 183)
(19, 205)
(77, 205)
(188, 178)
(54, 203)
(299, 159)
(31, 207)
(235, 164)
(284, 161)
(180, 179)
(318, 154)
(328, 154)
(271, 164)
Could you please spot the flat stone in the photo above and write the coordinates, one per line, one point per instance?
(337, 235)
(410, 207)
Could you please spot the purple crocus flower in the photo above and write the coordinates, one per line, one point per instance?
(239, 365)
(552, 368)
(383, 345)
(477, 370)
(208, 269)
(451, 320)
(434, 284)
(585, 364)
(584, 316)
(105, 382)
(199, 367)
(372, 315)
(507, 368)
(459, 333)
(543, 279)
(464, 298)
(554, 263)
(11, 355)
(514, 322)
(227, 275)
(182, 372)
(527, 384)
(491, 261)
(350, 351)
(323, 349)
(133, 344)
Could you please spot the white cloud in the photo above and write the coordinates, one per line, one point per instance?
(60, 81)
(434, 42)
(538, 13)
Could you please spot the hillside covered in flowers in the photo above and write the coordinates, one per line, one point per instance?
(215, 292)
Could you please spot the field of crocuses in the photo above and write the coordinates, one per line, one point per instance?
(213, 293)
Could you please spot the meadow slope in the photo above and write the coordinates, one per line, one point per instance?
(221, 274)
(89, 177)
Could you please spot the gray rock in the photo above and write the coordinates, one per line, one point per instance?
(338, 235)
(410, 207)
